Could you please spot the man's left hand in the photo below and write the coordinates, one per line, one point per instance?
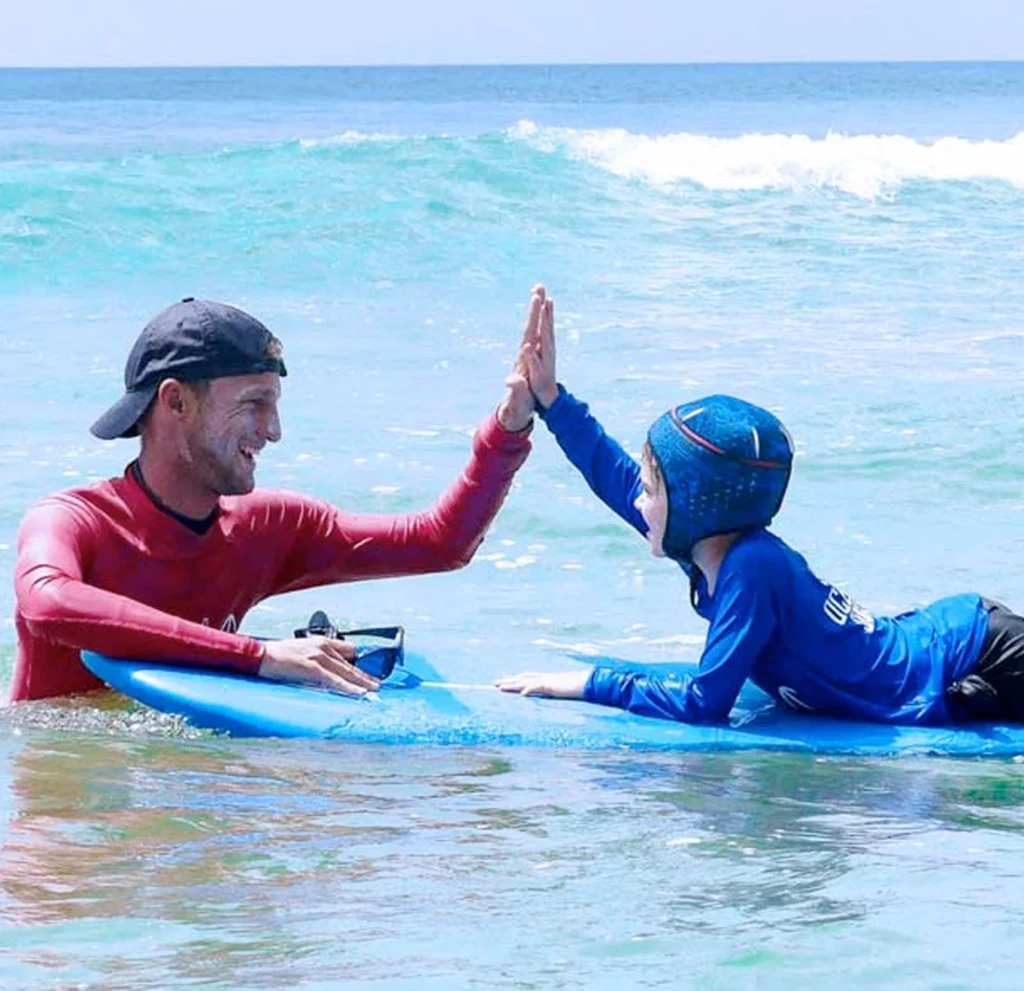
(516, 409)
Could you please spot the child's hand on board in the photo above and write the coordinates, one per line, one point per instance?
(553, 684)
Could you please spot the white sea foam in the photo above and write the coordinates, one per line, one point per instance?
(347, 138)
(864, 165)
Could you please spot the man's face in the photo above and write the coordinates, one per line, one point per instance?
(235, 418)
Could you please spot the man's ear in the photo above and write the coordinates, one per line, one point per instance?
(173, 397)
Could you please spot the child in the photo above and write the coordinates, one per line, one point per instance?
(711, 477)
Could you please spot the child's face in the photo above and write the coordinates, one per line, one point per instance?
(652, 504)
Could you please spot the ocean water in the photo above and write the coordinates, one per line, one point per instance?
(840, 243)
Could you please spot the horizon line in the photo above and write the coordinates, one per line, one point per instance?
(511, 65)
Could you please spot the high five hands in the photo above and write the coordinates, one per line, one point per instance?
(533, 378)
(535, 369)
(537, 353)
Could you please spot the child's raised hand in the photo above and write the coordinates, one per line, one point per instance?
(538, 355)
(553, 684)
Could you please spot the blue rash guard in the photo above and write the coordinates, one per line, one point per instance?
(773, 621)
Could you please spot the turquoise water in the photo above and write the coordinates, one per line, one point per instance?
(839, 243)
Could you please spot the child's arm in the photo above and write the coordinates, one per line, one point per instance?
(610, 472)
(743, 625)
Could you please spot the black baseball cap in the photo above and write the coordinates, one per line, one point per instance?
(190, 341)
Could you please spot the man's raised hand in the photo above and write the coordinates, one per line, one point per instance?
(517, 408)
(538, 357)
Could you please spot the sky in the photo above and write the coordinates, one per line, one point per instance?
(416, 32)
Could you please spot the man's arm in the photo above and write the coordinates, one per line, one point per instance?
(333, 546)
(57, 605)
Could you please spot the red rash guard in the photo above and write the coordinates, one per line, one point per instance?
(103, 568)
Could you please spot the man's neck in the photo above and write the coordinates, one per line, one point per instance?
(170, 487)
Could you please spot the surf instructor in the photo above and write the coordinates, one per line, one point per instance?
(163, 562)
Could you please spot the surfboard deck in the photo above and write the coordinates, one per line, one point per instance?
(418, 706)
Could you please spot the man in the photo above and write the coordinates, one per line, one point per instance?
(163, 562)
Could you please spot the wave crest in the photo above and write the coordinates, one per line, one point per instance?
(348, 138)
(864, 165)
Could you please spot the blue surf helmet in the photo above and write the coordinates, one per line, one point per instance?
(725, 464)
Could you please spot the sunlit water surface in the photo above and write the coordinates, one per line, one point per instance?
(841, 244)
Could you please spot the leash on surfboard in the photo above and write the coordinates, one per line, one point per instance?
(379, 649)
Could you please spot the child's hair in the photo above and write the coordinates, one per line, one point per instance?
(650, 462)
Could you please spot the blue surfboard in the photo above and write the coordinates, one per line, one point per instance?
(417, 705)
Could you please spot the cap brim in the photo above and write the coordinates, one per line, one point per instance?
(122, 419)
